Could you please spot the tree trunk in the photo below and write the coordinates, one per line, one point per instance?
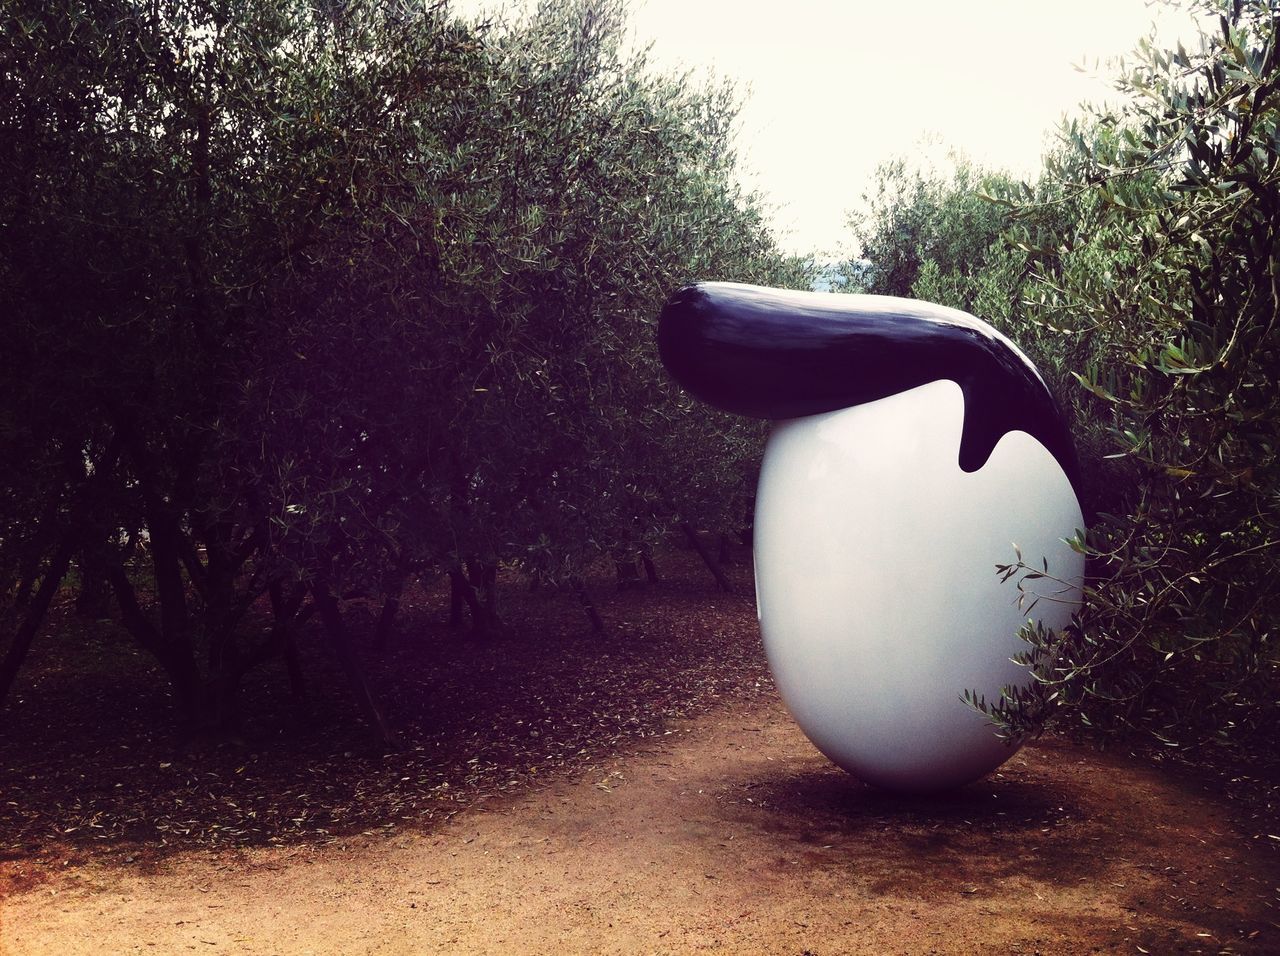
(227, 664)
(173, 645)
(331, 615)
(479, 584)
(293, 664)
(166, 562)
(457, 597)
(726, 554)
(29, 565)
(175, 658)
(35, 613)
(628, 573)
(196, 571)
(35, 602)
(493, 625)
(589, 608)
(463, 592)
(646, 558)
(226, 689)
(390, 607)
(707, 557)
(94, 599)
(26, 587)
(285, 618)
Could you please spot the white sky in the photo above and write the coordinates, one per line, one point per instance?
(834, 88)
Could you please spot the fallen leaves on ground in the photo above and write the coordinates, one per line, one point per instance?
(89, 761)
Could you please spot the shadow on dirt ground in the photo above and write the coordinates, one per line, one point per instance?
(1055, 816)
(560, 791)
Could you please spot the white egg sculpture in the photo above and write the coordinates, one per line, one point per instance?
(915, 449)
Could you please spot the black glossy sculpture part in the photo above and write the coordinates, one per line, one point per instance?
(778, 353)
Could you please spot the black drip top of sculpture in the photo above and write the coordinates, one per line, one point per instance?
(776, 353)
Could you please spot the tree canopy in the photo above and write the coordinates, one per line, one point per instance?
(1141, 272)
(301, 299)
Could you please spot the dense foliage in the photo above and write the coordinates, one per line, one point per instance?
(300, 299)
(1142, 272)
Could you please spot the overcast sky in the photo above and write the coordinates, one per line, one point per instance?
(834, 88)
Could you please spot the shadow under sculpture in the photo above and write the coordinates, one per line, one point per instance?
(915, 447)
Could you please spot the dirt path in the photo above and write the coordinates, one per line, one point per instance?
(735, 836)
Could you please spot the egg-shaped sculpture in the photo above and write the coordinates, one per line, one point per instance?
(916, 448)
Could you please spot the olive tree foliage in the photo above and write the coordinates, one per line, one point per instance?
(164, 166)
(302, 298)
(1140, 272)
(953, 236)
(578, 189)
(1164, 288)
(928, 229)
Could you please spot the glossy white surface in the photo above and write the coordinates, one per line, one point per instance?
(879, 600)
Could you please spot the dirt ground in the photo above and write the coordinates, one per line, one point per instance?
(730, 833)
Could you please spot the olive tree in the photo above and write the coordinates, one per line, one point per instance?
(1164, 289)
(1140, 272)
(302, 299)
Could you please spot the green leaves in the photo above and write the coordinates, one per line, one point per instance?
(1148, 296)
(364, 286)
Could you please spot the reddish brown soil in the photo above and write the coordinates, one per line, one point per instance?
(560, 792)
(732, 835)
